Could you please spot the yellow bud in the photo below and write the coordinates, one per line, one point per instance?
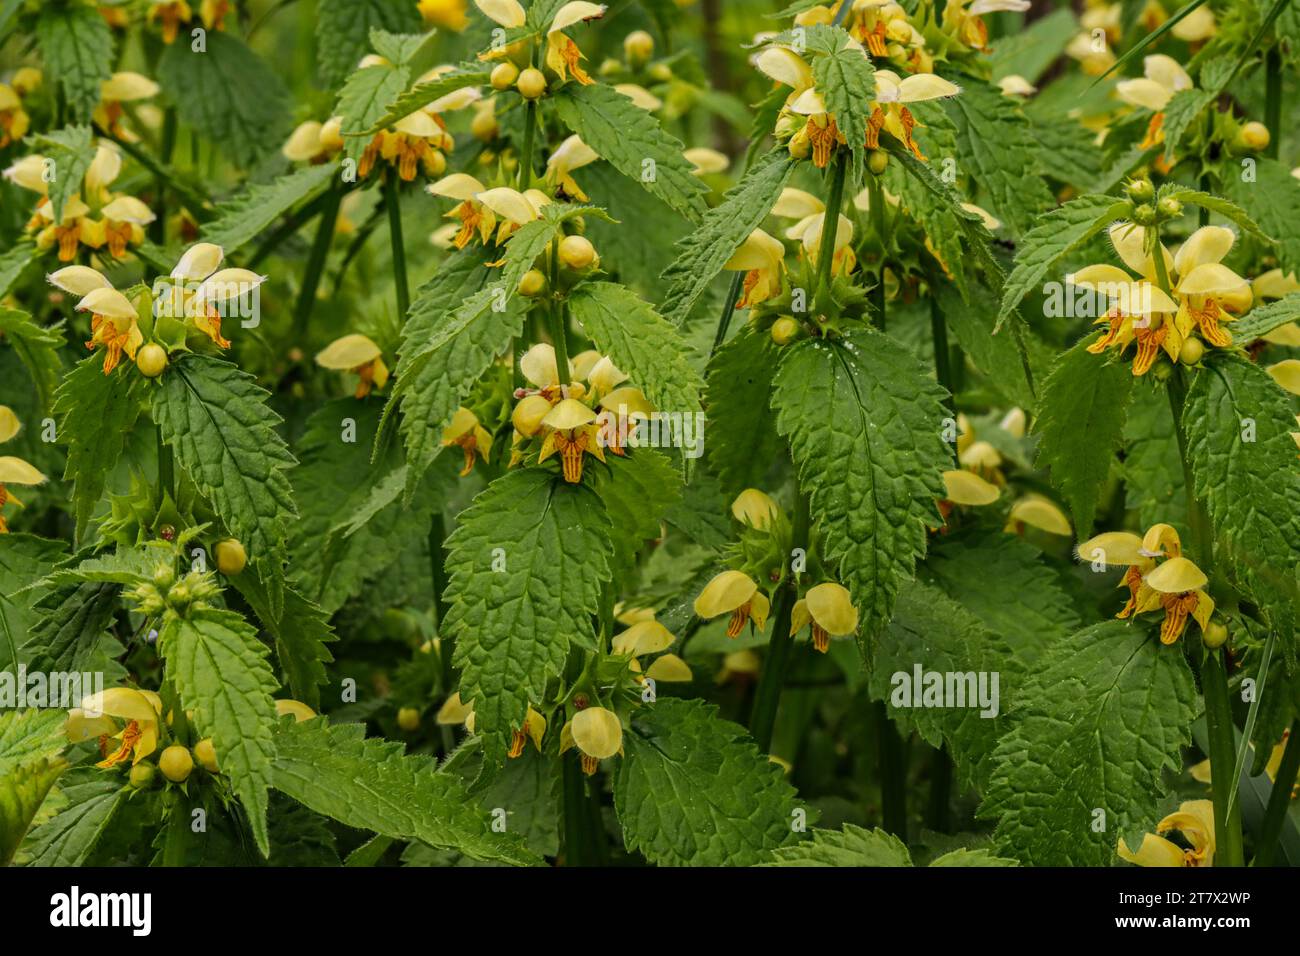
(1216, 635)
(1255, 135)
(577, 252)
(1192, 352)
(785, 330)
(800, 146)
(878, 161)
(531, 83)
(503, 76)
(176, 763)
(638, 47)
(206, 755)
(231, 557)
(151, 360)
(142, 775)
(408, 718)
(532, 284)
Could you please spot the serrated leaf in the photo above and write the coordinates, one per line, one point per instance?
(846, 81)
(743, 441)
(96, 412)
(1264, 319)
(70, 624)
(852, 846)
(21, 794)
(637, 492)
(1080, 425)
(70, 150)
(1179, 113)
(1272, 199)
(301, 630)
(220, 671)
(694, 789)
(24, 559)
(14, 262)
(370, 785)
(628, 137)
(993, 140)
(228, 94)
(422, 94)
(38, 349)
(1227, 209)
(77, 48)
(1104, 715)
(216, 419)
(27, 736)
(343, 32)
(244, 216)
(364, 100)
(1057, 233)
(997, 357)
(933, 633)
(1153, 467)
(1034, 47)
(964, 857)
(706, 249)
(864, 424)
(641, 343)
(69, 837)
(1238, 423)
(514, 627)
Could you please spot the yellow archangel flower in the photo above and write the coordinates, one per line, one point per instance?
(651, 637)
(465, 431)
(828, 607)
(172, 13)
(755, 509)
(124, 720)
(762, 258)
(483, 211)
(313, 141)
(14, 121)
(1194, 820)
(114, 321)
(596, 732)
(121, 87)
(199, 287)
(571, 433)
(562, 54)
(966, 25)
(358, 354)
(13, 470)
(737, 594)
(534, 728)
(1163, 76)
(883, 27)
(890, 110)
(572, 154)
(447, 14)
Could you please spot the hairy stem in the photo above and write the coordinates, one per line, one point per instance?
(830, 229)
(728, 310)
(526, 154)
(311, 276)
(892, 767)
(394, 207)
(1218, 721)
(558, 319)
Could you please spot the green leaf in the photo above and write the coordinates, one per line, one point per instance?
(95, 412)
(1034, 47)
(70, 150)
(705, 250)
(964, 857)
(846, 81)
(1272, 199)
(933, 633)
(422, 94)
(1264, 319)
(1153, 467)
(694, 790)
(70, 625)
(864, 423)
(1057, 233)
(526, 565)
(1238, 423)
(993, 140)
(38, 349)
(228, 94)
(632, 140)
(1229, 210)
(14, 262)
(77, 49)
(1105, 714)
(743, 441)
(370, 785)
(24, 560)
(1080, 425)
(1179, 113)
(21, 794)
(641, 343)
(363, 102)
(852, 846)
(220, 671)
(243, 217)
(27, 736)
(217, 421)
(69, 837)
(637, 492)
(343, 32)
(301, 630)
(997, 357)
(1068, 152)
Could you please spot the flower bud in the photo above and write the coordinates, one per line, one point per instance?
(1216, 635)
(800, 146)
(206, 755)
(142, 776)
(1255, 136)
(408, 718)
(503, 76)
(151, 360)
(532, 284)
(1145, 215)
(231, 557)
(1169, 208)
(661, 72)
(638, 47)
(1140, 190)
(577, 252)
(531, 83)
(176, 763)
(877, 161)
(484, 126)
(1192, 352)
(785, 330)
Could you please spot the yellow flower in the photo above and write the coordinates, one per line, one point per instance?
(1287, 374)
(966, 25)
(755, 508)
(313, 141)
(114, 322)
(419, 139)
(1177, 586)
(962, 487)
(359, 354)
(13, 471)
(534, 728)
(706, 161)
(737, 594)
(455, 711)
(14, 121)
(571, 433)
(1194, 819)
(1038, 512)
(1163, 77)
(465, 431)
(198, 287)
(571, 154)
(562, 54)
(172, 13)
(596, 732)
(483, 210)
(128, 716)
(762, 259)
(890, 111)
(121, 87)
(828, 607)
(295, 708)
(651, 637)
(447, 14)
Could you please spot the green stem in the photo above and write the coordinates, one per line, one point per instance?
(1218, 721)
(316, 263)
(1197, 519)
(391, 201)
(558, 319)
(830, 229)
(577, 815)
(1279, 801)
(942, 355)
(166, 471)
(158, 230)
(1273, 100)
(526, 154)
(937, 816)
(767, 697)
(893, 772)
(728, 310)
